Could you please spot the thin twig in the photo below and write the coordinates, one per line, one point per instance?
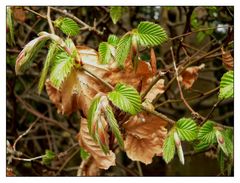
(194, 113)
(139, 169)
(49, 20)
(28, 159)
(126, 169)
(36, 13)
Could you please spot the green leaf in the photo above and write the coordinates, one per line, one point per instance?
(113, 40)
(62, 66)
(116, 13)
(169, 148)
(179, 147)
(29, 52)
(227, 135)
(50, 56)
(84, 154)
(123, 49)
(126, 98)
(221, 161)
(207, 133)
(93, 113)
(104, 53)
(226, 86)
(201, 146)
(67, 26)
(48, 157)
(187, 129)
(114, 126)
(221, 142)
(151, 34)
(10, 27)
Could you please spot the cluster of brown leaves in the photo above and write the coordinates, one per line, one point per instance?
(145, 132)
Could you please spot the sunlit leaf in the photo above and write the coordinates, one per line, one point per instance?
(207, 133)
(126, 98)
(116, 13)
(113, 40)
(201, 146)
(226, 86)
(10, 27)
(169, 148)
(151, 34)
(221, 142)
(179, 147)
(104, 53)
(123, 49)
(187, 129)
(50, 56)
(67, 26)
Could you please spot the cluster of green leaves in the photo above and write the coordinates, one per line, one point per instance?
(147, 34)
(125, 98)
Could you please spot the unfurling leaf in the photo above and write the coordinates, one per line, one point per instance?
(179, 147)
(104, 53)
(227, 59)
(10, 27)
(123, 49)
(113, 40)
(67, 26)
(50, 56)
(26, 56)
(84, 154)
(169, 148)
(116, 13)
(207, 133)
(187, 129)
(221, 142)
(103, 161)
(226, 86)
(151, 34)
(126, 98)
(114, 126)
(145, 134)
(48, 157)
(190, 75)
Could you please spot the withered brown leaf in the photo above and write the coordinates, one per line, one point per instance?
(190, 75)
(227, 59)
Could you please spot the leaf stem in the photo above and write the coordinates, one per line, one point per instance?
(139, 169)
(49, 20)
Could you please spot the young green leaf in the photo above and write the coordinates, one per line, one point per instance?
(151, 34)
(67, 26)
(226, 86)
(114, 126)
(201, 146)
(168, 148)
(26, 56)
(187, 129)
(116, 13)
(123, 49)
(10, 27)
(179, 147)
(207, 133)
(227, 135)
(48, 157)
(221, 142)
(126, 98)
(113, 40)
(104, 53)
(62, 66)
(221, 161)
(84, 154)
(50, 56)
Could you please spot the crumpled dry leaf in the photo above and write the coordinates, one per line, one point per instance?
(153, 61)
(89, 168)
(103, 161)
(189, 75)
(227, 59)
(145, 134)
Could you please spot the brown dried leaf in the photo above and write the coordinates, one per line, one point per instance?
(227, 59)
(189, 75)
(153, 61)
(145, 134)
(89, 168)
(19, 14)
(103, 161)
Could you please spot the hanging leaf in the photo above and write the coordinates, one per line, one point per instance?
(26, 56)
(168, 148)
(227, 59)
(123, 49)
(221, 142)
(48, 157)
(151, 34)
(207, 133)
(228, 137)
(114, 126)
(179, 147)
(187, 129)
(62, 66)
(226, 86)
(50, 56)
(10, 27)
(104, 53)
(221, 161)
(113, 40)
(116, 13)
(201, 146)
(67, 26)
(126, 98)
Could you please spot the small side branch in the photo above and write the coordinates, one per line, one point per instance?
(49, 20)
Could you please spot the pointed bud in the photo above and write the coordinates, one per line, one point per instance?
(179, 147)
